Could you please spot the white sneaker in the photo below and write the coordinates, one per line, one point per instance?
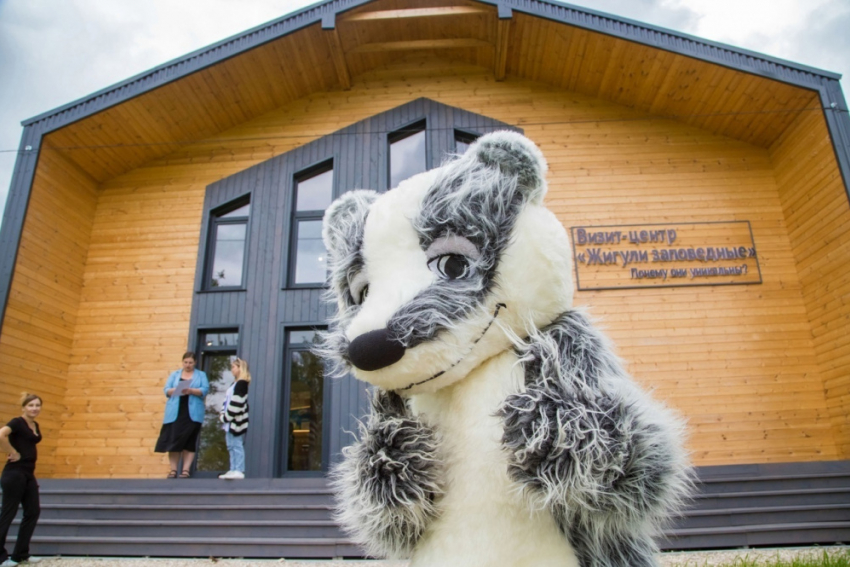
(11, 562)
(233, 475)
(219, 476)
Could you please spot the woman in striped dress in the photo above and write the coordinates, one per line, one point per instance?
(234, 415)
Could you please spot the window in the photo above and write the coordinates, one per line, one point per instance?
(218, 349)
(305, 403)
(407, 153)
(463, 140)
(313, 194)
(228, 231)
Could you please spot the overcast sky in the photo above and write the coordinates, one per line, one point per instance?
(55, 51)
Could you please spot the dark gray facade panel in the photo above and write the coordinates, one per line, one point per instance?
(16, 209)
(267, 308)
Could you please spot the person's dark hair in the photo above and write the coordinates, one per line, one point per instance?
(189, 354)
(27, 397)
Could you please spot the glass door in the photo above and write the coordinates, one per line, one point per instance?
(218, 350)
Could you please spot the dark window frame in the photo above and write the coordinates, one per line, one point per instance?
(466, 136)
(215, 219)
(201, 351)
(414, 127)
(296, 216)
(282, 427)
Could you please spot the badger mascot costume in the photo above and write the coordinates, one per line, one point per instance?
(503, 430)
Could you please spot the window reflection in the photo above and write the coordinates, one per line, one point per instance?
(313, 193)
(242, 211)
(220, 339)
(463, 140)
(306, 411)
(407, 153)
(228, 236)
(212, 449)
(304, 337)
(229, 255)
(310, 253)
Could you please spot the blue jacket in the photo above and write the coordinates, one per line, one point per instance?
(196, 404)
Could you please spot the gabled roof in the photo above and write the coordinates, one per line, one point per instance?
(716, 87)
(624, 28)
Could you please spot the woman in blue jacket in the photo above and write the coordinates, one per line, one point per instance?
(184, 414)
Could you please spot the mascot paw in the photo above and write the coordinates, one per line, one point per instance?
(400, 462)
(563, 444)
(387, 484)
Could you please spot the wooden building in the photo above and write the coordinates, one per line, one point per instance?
(178, 210)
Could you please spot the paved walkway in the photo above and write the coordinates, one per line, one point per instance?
(672, 559)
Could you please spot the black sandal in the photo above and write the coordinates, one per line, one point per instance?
(172, 474)
(185, 474)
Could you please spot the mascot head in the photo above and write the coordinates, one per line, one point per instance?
(439, 274)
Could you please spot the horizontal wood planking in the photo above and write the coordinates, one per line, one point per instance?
(817, 212)
(608, 165)
(44, 298)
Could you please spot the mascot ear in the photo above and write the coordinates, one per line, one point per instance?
(342, 226)
(515, 156)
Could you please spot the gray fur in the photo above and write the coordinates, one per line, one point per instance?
(342, 232)
(387, 484)
(599, 454)
(478, 196)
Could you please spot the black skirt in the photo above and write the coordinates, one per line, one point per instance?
(181, 434)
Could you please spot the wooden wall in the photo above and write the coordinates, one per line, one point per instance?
(44, 298)
(817, 211)
(738, 361)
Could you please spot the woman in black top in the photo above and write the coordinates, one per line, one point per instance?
(18, 438)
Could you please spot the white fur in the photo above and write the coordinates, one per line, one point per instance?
(478, 491)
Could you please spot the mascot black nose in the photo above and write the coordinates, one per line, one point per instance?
(374, 350)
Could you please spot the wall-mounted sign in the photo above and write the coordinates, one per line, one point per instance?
(665, 255)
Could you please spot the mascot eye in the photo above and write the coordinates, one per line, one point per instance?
(451, 266)
(358, 288)
(361, 297)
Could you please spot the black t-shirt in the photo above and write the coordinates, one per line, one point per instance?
(24, 441)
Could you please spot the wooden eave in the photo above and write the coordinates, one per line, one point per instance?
(725, 91)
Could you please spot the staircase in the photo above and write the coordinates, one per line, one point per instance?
(194, 518)
(766, 505)
(737, 506)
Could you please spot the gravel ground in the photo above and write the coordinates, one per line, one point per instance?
(672, 559)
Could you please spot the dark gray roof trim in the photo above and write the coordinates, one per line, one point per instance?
(661, 38)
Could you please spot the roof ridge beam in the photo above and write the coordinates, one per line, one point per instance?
(414, 13)
(422, 44)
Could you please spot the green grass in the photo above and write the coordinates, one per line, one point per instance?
(833, 558)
